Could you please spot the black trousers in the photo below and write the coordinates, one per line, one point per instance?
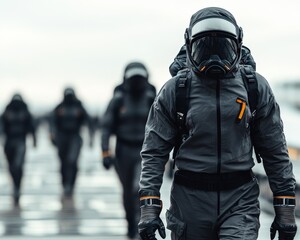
(69, 147)
(128, 168)
(15, 153)
(231, 214)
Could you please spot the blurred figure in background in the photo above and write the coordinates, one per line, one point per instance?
(66, 122)
(151, 90)
(17, 122)
(125, 118)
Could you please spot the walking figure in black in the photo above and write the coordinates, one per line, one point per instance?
(66, 122)
(17, 122)
(125, 118)
(214, 114)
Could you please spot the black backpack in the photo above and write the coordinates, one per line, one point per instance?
(182, 101)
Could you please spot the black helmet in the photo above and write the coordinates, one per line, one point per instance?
(69, 95)
(135, 78)
(135, 69)
(17, 97)
(69, 91)
(214, 42)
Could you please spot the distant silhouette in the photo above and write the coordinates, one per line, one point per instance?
(125, 118)
(17, 122)
(151, 90)
(65, 124)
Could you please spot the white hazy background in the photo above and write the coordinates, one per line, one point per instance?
(46, 45)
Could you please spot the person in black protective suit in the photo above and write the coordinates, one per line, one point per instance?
(66, 122)
(215, 193)
(126, 117)
(17, 122)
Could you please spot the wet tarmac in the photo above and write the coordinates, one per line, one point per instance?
(95, 213)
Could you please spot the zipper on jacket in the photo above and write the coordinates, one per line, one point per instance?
(218, 102)
(218, 126)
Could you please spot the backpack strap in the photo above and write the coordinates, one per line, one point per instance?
(182, 102)
(250, 82)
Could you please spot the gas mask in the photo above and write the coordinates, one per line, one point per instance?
(214, 47)
(69, 95)
(136, 79)
(136, 85)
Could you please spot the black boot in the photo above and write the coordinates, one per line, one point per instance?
(68, 191)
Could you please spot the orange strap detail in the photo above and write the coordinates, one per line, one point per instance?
(293, 197)
(147, 197)
(242, 110)
(106, 154)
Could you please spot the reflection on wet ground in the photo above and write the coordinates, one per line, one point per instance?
(95, 210)
(41, 215)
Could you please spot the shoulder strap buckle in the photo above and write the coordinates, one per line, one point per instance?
(181, 102)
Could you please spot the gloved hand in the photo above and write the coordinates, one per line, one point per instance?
(107, 159)
(284, 221)
(107, 162)
(150, 220)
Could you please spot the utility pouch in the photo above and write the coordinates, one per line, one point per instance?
(174, 224)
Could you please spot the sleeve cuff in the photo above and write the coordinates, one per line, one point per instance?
(148, 194)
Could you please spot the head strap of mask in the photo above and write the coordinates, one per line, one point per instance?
(213, 27)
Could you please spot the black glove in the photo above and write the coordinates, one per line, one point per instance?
(107, 162)
(150, 220)
(284, 221)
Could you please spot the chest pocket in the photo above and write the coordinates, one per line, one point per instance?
(243, 116)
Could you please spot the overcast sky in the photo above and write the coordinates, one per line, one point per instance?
(46, 45)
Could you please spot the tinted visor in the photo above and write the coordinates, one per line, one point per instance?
(202, 48)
